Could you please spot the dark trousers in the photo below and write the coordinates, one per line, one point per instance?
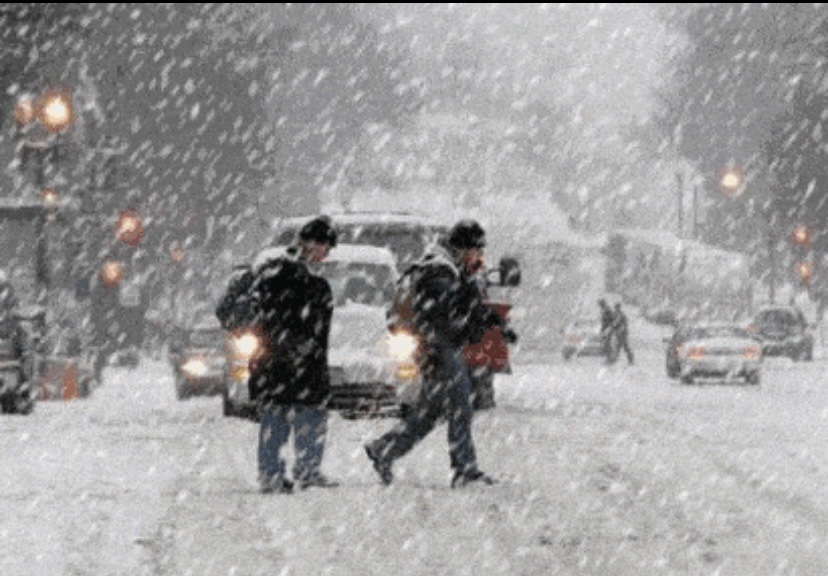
(445, 392)
(624, 345)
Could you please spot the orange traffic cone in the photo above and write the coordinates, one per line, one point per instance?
(69, 379)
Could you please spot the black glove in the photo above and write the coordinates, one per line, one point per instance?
(509, 335)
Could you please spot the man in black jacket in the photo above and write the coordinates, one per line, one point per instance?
(448, 314)
(289, 380)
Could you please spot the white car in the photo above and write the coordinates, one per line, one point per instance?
(371, 372)
(720, 351)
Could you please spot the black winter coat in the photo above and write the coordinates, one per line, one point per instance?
(295, 309)
(448, 304)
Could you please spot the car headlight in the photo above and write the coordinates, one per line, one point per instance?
(246, 345)
(194, 367)
(402, 347)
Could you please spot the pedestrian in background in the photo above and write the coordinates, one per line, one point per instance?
(607, 318)
(620, 328)
(290, 378)
(448, 314)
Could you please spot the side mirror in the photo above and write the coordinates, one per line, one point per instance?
(509, 271)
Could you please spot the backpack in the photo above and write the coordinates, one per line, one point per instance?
(238, 307)
(401, 315)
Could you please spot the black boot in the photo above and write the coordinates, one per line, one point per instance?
(462, 479)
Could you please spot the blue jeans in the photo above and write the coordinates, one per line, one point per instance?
(445, 392)
(309, 425)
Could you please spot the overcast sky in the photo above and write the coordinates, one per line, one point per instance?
(601, 60)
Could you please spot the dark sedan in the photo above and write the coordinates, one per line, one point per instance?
(198, 359)
(783, 331)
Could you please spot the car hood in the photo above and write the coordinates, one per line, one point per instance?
(358, 344)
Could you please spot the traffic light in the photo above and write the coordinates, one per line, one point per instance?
(129, 228)
(111, 274)
(805, 270)
(801, 236)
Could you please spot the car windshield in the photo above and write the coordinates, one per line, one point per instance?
(777, 317)
(406, 242)
(359, 282)
(718, 332)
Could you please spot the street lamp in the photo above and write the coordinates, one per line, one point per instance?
(731, 181)
(55, 111)
(40, 122)
(129, 228)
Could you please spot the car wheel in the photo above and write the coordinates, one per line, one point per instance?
(687, 379)
(181, 392)
(567, 355)
(753, 378)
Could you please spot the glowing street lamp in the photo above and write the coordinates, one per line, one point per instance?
(129, 228)
(55, 111)
(49, 197)
(732, 182)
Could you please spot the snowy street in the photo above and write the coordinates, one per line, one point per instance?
(604, 471)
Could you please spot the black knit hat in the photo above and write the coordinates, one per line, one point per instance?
(321, 230)
(467, 234)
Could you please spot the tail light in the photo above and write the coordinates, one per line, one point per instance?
(752, 353)
(692, 352)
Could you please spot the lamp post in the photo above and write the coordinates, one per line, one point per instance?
(40, 123)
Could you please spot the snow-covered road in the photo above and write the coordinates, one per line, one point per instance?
(610, 471)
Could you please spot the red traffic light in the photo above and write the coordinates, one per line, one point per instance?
(129, 228)
(111, 274)
(801, 235)
(805, 271)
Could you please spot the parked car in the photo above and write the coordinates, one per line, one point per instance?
(582, 337)
(198, 360)
(783, 331)
(714, 350)
(369, 374)
(62, 370)
(20, 332)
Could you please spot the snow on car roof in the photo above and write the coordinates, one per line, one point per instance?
(342, 253)
(349, 218)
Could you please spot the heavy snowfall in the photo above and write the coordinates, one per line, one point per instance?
(666, 156)
(603, 470)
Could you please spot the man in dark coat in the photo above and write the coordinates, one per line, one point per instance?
(289, 380)
(448, 314)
